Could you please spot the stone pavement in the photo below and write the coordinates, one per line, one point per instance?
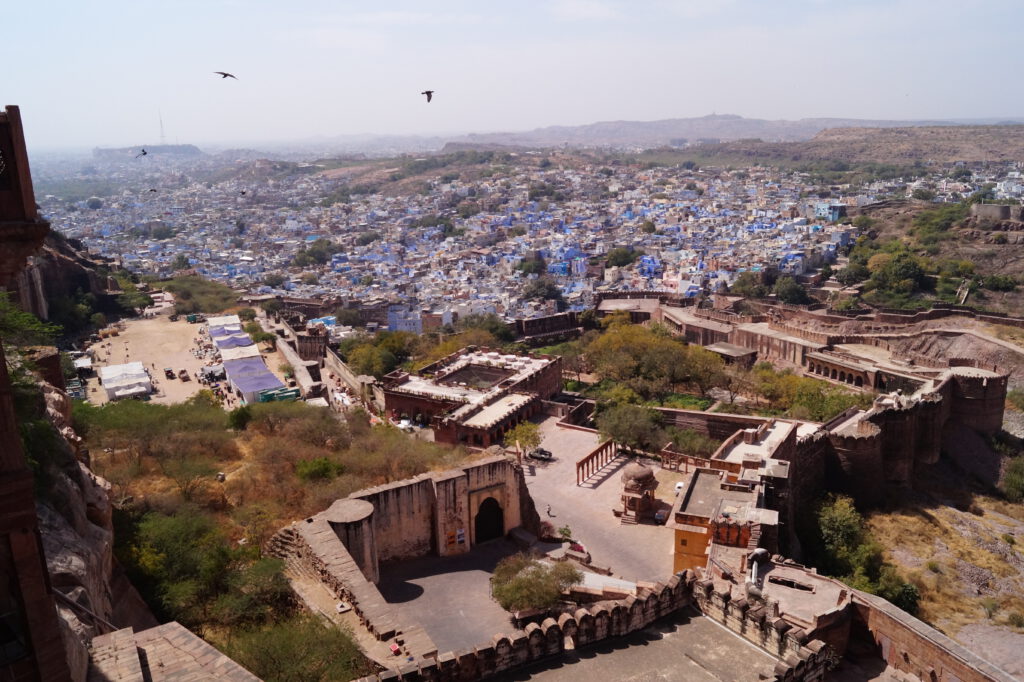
(686, 646)
(449, 597)
(634, 552)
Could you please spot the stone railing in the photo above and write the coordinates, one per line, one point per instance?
(800, 658)
(586, 626)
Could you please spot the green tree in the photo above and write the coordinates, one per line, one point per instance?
(273, 279)
(648, 227)
(371, 360)
(620, 256)
(309, 278)
(19, 328)
(748, 284)
(542, 288)
(247, 314)
(789, 291)
(348, 317)
(488, 322)
(532, 266)
(527, 435)
(523, 582)
(180, 262)
(94, 203)
(633, 427)
(239, 418)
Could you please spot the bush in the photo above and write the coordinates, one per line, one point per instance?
(318, 469)
(1016, 619)
(299, 650)
(1016, 399)
(198, 295)
(1013, 480)
(934, 567)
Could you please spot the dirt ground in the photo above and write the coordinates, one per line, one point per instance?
(157, 343)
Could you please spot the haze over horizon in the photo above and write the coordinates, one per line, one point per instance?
(102, 76)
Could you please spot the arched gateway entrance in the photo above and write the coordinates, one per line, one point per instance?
(490, 521)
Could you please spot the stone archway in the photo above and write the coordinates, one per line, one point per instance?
(490, 521)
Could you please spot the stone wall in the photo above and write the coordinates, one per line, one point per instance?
(432, 513)
(403, 519)
(913, 647)
(800, 657)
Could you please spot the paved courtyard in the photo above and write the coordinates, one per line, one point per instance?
(634, 552)
(449, 597)
(687, 646)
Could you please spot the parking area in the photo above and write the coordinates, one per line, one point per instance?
(634, 552)
(157, 343)
(449, 597)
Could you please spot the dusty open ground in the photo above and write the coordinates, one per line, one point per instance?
(157, 343)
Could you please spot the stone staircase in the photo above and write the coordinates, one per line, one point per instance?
(322, 579)
(166, 652)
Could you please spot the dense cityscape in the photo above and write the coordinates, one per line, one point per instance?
(492, 342)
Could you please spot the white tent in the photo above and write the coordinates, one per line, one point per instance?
(224, 321)
(240, 352)
(120, 381)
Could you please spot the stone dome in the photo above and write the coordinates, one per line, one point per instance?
(636, 473)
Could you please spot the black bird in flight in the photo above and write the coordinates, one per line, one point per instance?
(225, 74)
(142, 153)
(429, 94)
(152, 190)
(243, 192)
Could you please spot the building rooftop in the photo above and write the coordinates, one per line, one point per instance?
(705, 493)
(498, 410)
(760, 449)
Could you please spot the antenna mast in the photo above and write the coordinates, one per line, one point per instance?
(161, 117)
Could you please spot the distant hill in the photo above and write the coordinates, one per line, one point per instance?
(904, 145)
(681, 131)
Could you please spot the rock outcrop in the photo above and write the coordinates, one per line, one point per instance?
(57, 270)
(76, 525)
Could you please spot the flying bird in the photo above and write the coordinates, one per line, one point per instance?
(243, 192)
(142, 153)
(429, 94)
(152, 190)
(225, 74)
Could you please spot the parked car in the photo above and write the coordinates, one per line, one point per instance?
(169, 373)
(541, 454)
(183, 374)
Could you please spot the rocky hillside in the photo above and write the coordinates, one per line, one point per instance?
(896, 146)
(75, 521)
(58, 271)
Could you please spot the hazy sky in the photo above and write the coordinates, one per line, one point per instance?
(98, 73)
